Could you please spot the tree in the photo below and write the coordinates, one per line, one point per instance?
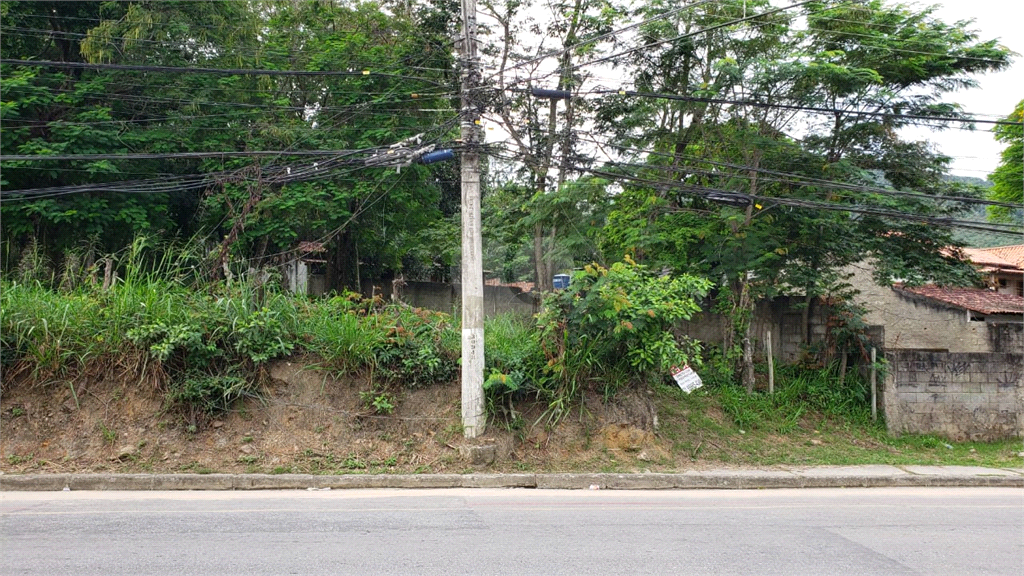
(60, 109)
(249, 206)
(730, 179)
(1008, 179)
(546, 152)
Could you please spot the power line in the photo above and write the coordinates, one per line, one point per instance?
(396, 155)
(730, 196)
(175, 44)
(750, 18)
(599, 37)
(803, 108)
(157, 24)
(833, 185)
(169, 155)
(279, 89)
(107, 98)
(704, 30)
(794, 178)
(221, 71)
(892, 49)
(719, 195)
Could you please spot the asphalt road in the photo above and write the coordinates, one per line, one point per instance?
(466, 531)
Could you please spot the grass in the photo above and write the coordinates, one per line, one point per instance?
(206, 346)
(203, 342)
(708, 426)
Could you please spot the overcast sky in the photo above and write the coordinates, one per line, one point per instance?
(977, 153)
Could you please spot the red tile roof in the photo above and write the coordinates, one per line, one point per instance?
(973, 299)
(1013, 253)
(1008, 258)
(308, 247)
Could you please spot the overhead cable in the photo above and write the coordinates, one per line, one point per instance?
(220, 71)
(799, 179)
(803, 108)
(742, 198)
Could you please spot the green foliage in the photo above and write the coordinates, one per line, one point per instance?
(624, 312)
(515, 363)
(207, 347)
(614, 326)
(798, 391)
(201, 393)
(847, 329)
(73, 111)
(1008, 179)
(416, 349)
(163, 341)
(381, 403)
(345, 331)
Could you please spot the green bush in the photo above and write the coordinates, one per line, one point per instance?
(612, 327)
(617, 324)
(341, 332)
(416, 349)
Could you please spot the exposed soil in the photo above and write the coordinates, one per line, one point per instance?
(307, 421)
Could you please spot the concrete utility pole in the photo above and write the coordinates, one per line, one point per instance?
(473, 416)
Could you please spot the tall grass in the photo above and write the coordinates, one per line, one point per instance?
(341, 333)
(204, 342)
(46, 333)
(514, 364)
(798, 390)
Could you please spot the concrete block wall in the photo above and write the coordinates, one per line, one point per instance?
(446, 298)
(961, 396)
(778, 316)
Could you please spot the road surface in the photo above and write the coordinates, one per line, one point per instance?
(476, 531)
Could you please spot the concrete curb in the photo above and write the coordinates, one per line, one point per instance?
(821, 477)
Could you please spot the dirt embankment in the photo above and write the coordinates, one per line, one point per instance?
(307, 421)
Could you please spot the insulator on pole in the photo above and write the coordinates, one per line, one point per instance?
(438, 156)
(555, 94)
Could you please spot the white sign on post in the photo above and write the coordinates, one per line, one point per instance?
(687, 379)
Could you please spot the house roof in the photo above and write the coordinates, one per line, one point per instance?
(1006, 258)
(309, 247)
(973, 299)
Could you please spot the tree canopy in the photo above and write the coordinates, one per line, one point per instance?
(755, 144)
(1008, 179)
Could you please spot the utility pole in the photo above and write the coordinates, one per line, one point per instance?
(473, 416)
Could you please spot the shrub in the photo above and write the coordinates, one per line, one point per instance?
(611, 327)
(416, 348)
(620, 319)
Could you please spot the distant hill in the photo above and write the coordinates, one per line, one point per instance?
(978, 238)
(968, 180)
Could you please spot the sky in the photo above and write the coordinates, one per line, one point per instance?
(977, 153)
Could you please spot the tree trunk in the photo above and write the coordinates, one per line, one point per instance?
(745, 308)
(748, 362)
(542, 278)
(340, 269)
(359, 280)
(842, 367)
